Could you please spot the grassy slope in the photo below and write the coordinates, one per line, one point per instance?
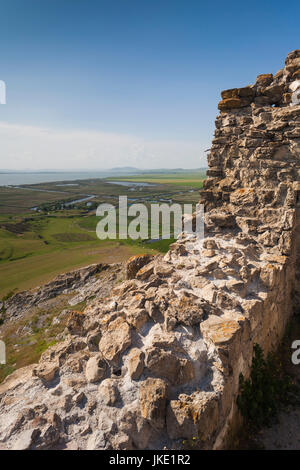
(33, 333)
(27, 262)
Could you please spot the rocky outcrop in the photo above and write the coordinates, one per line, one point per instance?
(135, 263)
(159, 359)
(82, 282)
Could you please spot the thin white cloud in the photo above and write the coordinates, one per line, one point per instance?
(41, 148)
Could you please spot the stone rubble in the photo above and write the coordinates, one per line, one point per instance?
(158, 360)
(84, 283)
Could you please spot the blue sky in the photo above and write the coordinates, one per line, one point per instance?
(95, 84)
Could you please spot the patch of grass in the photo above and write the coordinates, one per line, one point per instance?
(160, 245)
(26, 255)
(27, 339)
(5, 370)
(8, 295)
(42, 345)
(72, 237)
(89, 223)
(16, 228)
(35, 270)
(5, 252)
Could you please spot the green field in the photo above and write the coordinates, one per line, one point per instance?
(54, 245)
(36, 245)
(193, 179)
(16, 200)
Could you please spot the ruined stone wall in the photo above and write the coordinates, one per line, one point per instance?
(253, 182)
(159, 360)
(252, 198)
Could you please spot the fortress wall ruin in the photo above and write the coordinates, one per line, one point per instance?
(159, 361)
(253, 185)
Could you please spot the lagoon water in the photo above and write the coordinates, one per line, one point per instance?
(48, 177)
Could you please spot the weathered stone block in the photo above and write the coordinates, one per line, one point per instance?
(153, 398)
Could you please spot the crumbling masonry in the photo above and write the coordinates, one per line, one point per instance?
(160, 360)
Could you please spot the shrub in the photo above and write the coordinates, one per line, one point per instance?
(265, 392)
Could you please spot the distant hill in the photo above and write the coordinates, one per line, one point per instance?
(125, 169)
